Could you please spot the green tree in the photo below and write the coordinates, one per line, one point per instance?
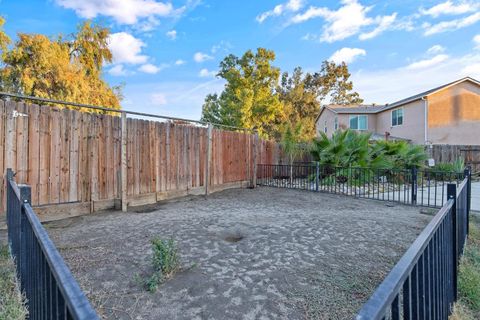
(249, 99)
(4, 38)
(254, 97)
(303, 93)
(62, 69)
(334, 82)
(292, 145)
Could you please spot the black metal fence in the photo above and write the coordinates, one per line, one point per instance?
(411, 186)
(423, 284)
(50, 289)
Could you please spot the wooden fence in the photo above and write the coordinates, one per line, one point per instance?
(74, 158)
(450, 153)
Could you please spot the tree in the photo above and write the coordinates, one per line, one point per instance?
(291, 143)
(300, 99)
(60, 69)
(4, 38)
(248, 99)
(334, 81)
(254, 98)
(303, 94)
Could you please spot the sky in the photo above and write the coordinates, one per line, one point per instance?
(167, 52)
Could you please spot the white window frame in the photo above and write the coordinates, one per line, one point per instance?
(391, 118)
(358, 122)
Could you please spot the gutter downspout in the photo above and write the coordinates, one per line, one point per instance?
(426, 119)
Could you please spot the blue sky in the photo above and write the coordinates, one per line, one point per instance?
(167, 53)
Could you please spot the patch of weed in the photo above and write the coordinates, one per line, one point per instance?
(468, 306)
(165, 263)
(12, 302)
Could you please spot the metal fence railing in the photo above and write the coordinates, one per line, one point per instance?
(50, 289)
(410, 186)
(423, 284)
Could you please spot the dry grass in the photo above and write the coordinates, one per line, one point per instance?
(468, 305)
(12, 305)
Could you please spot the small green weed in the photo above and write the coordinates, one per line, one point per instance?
(165, 262)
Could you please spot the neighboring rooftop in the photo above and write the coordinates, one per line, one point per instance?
(356, 108)
(372, 109)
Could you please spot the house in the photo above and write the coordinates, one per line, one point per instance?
(449, 114)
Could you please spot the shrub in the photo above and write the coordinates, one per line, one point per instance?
(349, 148)
(456, 166)
(165, 262)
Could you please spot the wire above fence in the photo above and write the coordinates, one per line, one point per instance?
(106, 109)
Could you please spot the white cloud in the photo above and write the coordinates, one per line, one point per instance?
(201, 57)
(180, 62)
(122, 11)
(184, 98)
(126, 48)
(347, 55)
(223, 46)
(422, 64)
(172, 34)
(117, 70)
(309, 37)
(451, 25)
(290, 6)
(389, 85)
(158, 99)
(476, 40)
(472, 70)
(449, 8)
(384, 23)
(347, 21)
(436, 49)
(152, 69)
(205, 73)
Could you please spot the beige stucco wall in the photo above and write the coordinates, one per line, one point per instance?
(329, 117)
(413, 127)
(454, 115)
(343, 122)
(453, 118)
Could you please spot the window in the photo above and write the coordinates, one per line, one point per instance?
(325, 127)
(397, 117)
(335, 123)
(358, 122)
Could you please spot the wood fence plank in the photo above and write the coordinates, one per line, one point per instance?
(65, 136)
(74, 159)
(21, 127)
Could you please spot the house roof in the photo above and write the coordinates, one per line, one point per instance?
(373, 109)
(356, 109)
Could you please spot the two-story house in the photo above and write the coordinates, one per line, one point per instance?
(449, 114)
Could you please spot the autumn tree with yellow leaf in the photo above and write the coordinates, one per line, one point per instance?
(67, 69)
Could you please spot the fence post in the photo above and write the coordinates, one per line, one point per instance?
(208, 160)
(255, 143)
(25, 197)
(468, 174)
(452, 195)
(317, 174)
(414, 185)
(123, 169)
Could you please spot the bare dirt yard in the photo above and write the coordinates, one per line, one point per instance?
(245, 254)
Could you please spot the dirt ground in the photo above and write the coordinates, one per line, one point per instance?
(245, 254)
